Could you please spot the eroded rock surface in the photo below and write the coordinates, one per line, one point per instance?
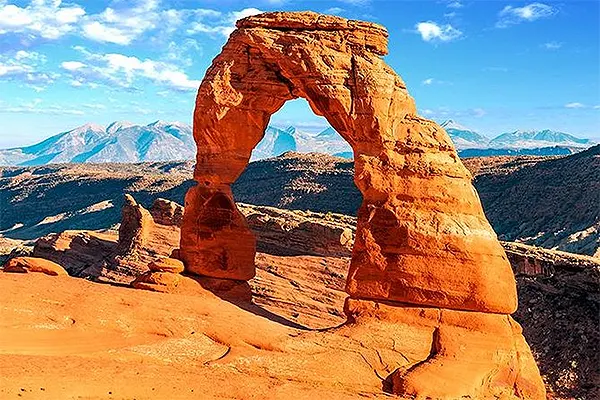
(422, 238)
(290, 233)
(107, 256)
(34, 264)
(559, 301)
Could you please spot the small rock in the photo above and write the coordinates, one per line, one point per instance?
(166, 265)
(34, 264)
(165, 282)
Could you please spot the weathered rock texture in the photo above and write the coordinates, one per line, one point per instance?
(291, 233)
(34, 264)
(421, 238)
(558, 292)
(105, 257)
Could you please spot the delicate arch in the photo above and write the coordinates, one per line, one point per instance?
(422, 237)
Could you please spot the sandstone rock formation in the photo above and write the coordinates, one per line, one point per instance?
(157, 281)
(34, 264)
(103, 256)
(289, 233)
(422, 238)
(162, 277)
(166, 264)
(558, 292)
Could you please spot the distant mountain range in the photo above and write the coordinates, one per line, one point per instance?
(512, 142)
(166, 141)
(119, 142)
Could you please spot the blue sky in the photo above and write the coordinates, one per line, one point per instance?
(495, 66)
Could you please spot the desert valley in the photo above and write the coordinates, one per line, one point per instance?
(385, 256)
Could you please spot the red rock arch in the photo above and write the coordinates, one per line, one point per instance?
(422, 237)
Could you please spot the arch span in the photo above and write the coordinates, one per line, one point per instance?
(422, 237)
(424, 257)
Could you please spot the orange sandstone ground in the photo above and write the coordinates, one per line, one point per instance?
(64, 337)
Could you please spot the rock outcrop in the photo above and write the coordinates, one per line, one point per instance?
(290, 233)
(422, 238)
(559, 301)
(105, 256)
(162, 277)
(34, 264)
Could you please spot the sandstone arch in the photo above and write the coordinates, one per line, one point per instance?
(422, 238)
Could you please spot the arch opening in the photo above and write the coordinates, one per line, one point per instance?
(295, 128)
(304, 244)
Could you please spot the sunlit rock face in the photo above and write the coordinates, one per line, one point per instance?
(422, 238)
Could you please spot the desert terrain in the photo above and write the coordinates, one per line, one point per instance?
(303, 276)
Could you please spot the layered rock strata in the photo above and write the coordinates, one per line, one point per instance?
(422, 238)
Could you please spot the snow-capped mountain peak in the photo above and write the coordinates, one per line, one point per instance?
(528, 139)
(451, 124)
(124, 141)
(118, 125)
(463, 137)
(90, 126)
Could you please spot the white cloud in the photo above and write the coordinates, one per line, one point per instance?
(225, 25)
(36, 107)
(477, 112)
(428, 81)
(48, 19)
(431, 31)
(179, 51)
(25, 66)
(102, 33)
(552, 45)
(122, 25)
(515, 15)
(454, 4)
(72, 65)
(575, 105)
(334, 10)
(124, 71)
(597, 107)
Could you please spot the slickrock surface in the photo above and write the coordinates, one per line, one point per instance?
(558, 302)
(33, 264)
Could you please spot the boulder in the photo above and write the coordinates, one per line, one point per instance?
(165, 282)
(34, 264)
(166, 264)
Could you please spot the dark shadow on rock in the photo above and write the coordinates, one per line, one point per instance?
(239, 294)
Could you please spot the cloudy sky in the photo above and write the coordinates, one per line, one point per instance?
(495, 66)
